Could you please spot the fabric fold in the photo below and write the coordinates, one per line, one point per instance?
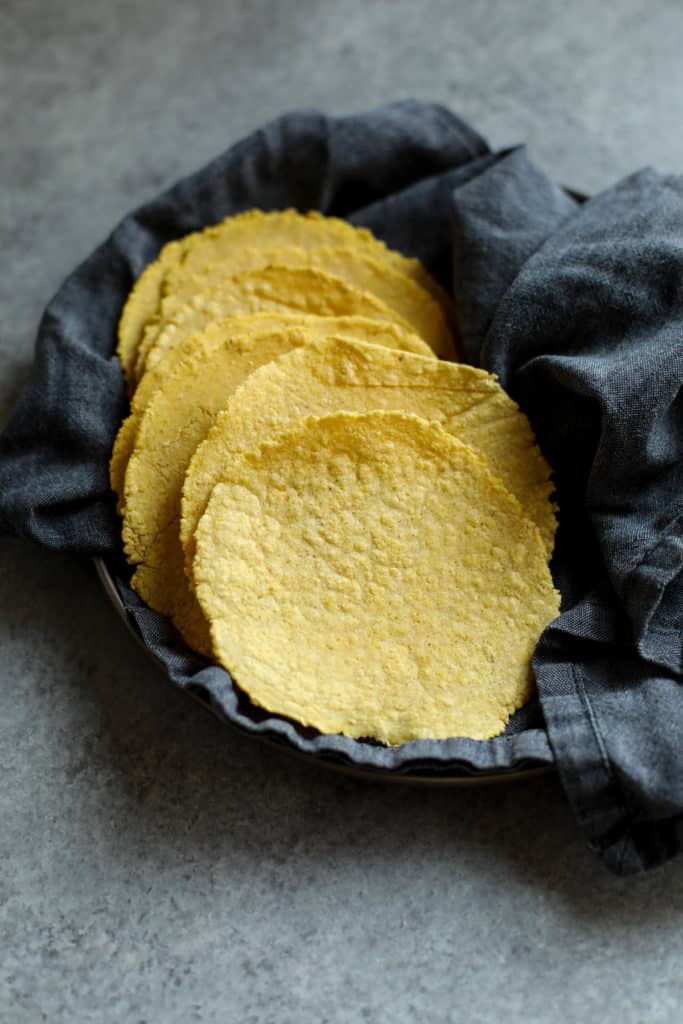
(587, 338)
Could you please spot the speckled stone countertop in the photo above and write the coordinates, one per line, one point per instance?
(153, 866)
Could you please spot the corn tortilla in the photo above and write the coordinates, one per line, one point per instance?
(176, 420)
(336, 374)
(253, 228)
(409, 299)
(269, 289)
(311, 230)
(366, 574)
(259, 325)
(141, 306)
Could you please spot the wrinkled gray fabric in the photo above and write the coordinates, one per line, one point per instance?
(577, 309)
(588, 338)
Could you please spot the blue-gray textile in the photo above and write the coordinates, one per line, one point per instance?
(578, 307)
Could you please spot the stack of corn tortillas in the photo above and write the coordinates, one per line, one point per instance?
(357, 530)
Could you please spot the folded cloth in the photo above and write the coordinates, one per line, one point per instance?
(576, 308)
(585, 329)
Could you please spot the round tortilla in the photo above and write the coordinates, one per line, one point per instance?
(264, 325)
(141, 306)
(272, 289)
(176, 420)
(332, 375)
(254, 228)
(365, 574)
(409, 299)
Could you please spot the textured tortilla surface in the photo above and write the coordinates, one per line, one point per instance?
(259, 325)
(254, 229)
(366, 574)
(360, 269)
(272, 289)
(174, 423)
(332, 375)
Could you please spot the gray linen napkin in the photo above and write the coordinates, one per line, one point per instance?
(584, 326)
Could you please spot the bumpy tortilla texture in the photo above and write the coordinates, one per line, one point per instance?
(402, 294)
(259, 325)
(332, 375)
(174, 423)
(269, 289)
(366, 574)
(255, 229)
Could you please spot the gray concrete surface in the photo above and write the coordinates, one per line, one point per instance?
(154, 867)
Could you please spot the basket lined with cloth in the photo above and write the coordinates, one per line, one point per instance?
(576, 307)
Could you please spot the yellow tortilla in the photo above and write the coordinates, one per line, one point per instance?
(366, 574)
(331, 375)
(141, 305)
(272, 289)
(255, 229)
(176, 420)
(263, 325)
(409, 299)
